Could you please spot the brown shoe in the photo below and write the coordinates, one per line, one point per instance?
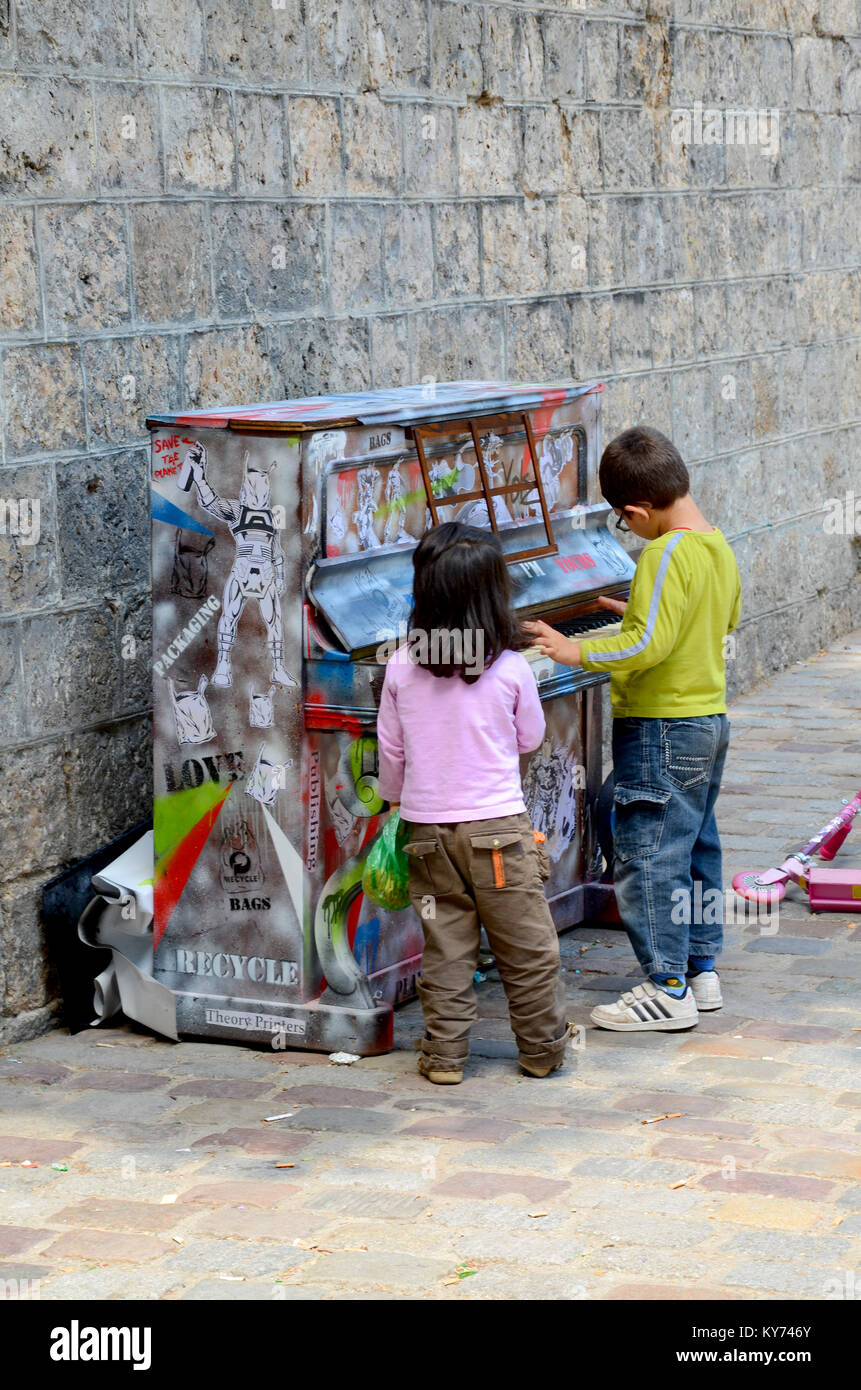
(438, 1075)
(532, 1069)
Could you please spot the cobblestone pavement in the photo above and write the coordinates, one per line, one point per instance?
(504, 1187)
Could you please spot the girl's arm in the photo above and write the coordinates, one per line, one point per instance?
(528, 714)
(390, 741)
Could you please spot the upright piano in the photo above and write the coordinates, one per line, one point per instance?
(262, 928)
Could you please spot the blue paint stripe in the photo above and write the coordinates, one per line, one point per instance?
(652, 616)
(163, 510)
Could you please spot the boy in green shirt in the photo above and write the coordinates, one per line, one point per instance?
(670, 732)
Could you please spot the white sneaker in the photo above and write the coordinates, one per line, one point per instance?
(648, 1009)
(705, 988)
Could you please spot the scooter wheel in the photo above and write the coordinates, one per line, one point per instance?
(749, 885)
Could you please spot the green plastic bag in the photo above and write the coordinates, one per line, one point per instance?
(386, 879)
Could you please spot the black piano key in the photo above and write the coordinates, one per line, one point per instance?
(572, 627)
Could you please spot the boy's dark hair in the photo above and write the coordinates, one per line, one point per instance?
(461, 584)
(642, 465)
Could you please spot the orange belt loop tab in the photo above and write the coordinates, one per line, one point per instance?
(539, 837)
(498, 868)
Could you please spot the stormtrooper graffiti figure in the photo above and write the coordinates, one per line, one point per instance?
(492, 446)
(396, 492)
(258, 571)
(555, 455)
(368, 479)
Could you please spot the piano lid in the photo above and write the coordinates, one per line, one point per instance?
(367, 598)
(446, 400)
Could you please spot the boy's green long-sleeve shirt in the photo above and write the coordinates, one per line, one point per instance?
(668, 660)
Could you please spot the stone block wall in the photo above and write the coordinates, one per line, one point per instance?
(219, 200)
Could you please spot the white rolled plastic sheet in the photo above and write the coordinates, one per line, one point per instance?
(120, 919)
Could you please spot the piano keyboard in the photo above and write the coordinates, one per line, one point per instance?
(592, 625)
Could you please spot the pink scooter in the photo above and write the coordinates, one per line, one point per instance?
(829, 890)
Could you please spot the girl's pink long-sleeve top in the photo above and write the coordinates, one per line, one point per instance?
(450, 751)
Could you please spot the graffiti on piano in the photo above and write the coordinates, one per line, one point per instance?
(192, 713)
(324, 447)
(557, 451)
(381, 502)
(369, 480)
(396, 506)
(261, 709)
(241, 864)
(190, 575)
(258, 568)
(550, 788)
(499, 472)
(266, 779)
(608, 549)
(235, 668)
(385, 608)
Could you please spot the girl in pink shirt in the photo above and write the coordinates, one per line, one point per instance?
(459, 706)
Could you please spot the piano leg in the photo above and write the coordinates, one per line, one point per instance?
(562, 784)
(600, 899)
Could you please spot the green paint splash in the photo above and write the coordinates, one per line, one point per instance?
(175, 814)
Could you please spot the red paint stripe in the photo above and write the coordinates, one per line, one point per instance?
(323, 718)
(174, 871)
(204, 422)
(373, 827)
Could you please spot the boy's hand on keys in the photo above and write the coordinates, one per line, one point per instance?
(615, 605)
(553, 644)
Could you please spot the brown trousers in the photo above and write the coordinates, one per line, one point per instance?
(486, 873)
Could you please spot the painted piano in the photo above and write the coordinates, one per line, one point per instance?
(282, 542)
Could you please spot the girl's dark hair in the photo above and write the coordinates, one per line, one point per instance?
(642, 465)
(461, 586)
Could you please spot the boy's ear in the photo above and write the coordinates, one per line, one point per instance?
(644, 513)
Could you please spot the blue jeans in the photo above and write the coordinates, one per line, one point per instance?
(666, 849)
